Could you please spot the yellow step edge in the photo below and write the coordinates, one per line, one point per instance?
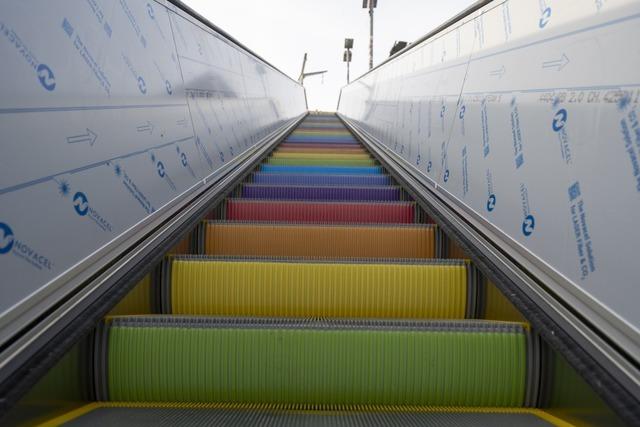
(310, 409)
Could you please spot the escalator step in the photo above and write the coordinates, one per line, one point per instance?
(317, 179)
(282, 240)
(337, 134)
(322, 362)
(322, 132)
(328, 156)
(498, 307)
(326, 141)
(319, 150)
(123, 414)
(324, 137)
(335, 147)
(321, 125)
(311, 161)
(279, 192)
(325, 170)
(320, 212)
(137, 301)
(431, 289)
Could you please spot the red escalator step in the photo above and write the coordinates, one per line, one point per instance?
(321, 212)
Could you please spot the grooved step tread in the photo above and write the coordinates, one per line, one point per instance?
(326, 161)
(328, 363)
(320, 180)
(320, 212)
(300, 192)
(313, 169)
(307, 289)
(195, 415)
(281, 240)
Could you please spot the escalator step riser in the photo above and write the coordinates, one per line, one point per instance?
(331, 170)
(296, 179)
(318, 212)
(286, 240)
(252, 191)
(319, 156)
(335, 147)
(312, 150)
(205, 360)
(427, 290)
(322, 132)
(323, 136)
(308, 161)
(327, 141)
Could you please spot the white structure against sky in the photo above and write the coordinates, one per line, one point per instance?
(281, 31)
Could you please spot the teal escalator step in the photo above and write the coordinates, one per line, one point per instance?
(321, 362)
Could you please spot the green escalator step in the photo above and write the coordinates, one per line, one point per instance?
(324, 362)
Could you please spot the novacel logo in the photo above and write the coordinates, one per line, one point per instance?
(491, 202)
(6, 238)
(8, 243)
(559, 120)
(544, 19)
(161, 171)
(46, 77)
(152, 15)
(528, 225)
(82, 208)
(446, 175)
(80, 203)
(142, 85)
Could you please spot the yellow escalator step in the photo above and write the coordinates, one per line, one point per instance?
(137, 301)
(498, 307)
(305, 289)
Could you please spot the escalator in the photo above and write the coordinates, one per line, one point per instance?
(319, 292)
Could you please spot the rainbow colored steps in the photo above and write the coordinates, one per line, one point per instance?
(317, 286)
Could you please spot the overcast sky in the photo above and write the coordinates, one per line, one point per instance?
(281, 31)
